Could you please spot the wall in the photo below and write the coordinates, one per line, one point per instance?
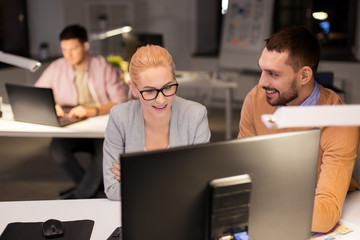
(350, 73)
(46, 20)
(346, 72)
(175, 19)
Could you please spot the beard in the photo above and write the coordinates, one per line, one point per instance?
(283, 98)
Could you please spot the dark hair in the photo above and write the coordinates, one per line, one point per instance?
(302, 46)
(74, 31)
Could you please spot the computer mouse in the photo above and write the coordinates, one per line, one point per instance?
(52, 228)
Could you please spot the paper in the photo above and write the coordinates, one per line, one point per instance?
(334, 234)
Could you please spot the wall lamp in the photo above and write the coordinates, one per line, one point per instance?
(18, 61)
(110, 33)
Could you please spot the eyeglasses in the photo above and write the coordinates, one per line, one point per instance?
(167, 91)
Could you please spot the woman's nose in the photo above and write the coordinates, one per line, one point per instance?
(160, 98)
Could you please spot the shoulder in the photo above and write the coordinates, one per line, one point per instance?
(187, 111)
(96, 60)
(126, 114)
(59, 63)
(129, 111)
(99, 66)
(254, 94)
(55, 71)
(328, 97)
(127, 108)
(182, 105)
(257, 92)
(256, 97)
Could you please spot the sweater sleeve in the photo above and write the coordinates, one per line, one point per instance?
(46, 78)
(246, 124)
(114, 146)
(339, 147)
(189, 123)
(202, 131)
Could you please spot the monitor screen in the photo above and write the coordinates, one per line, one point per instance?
(165, 193)
(132, 40)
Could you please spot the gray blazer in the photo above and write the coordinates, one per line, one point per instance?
(125, 133)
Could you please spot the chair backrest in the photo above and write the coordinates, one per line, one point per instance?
(133, 40)
(325, 78)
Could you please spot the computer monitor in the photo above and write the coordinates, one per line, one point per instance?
(165, 193)
(133, 40)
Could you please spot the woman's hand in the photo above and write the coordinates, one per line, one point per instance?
(116, 171)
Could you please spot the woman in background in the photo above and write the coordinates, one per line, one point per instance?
(155, 119)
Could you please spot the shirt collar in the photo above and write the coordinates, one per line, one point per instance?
(313, 98)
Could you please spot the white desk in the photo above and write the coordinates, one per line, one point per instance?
(351, 215)
(95, 127)
(197, 80)
(104, 212)
(90, 128)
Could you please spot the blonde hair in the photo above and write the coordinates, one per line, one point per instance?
(147, 57)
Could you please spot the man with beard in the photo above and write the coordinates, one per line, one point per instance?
(288, 65)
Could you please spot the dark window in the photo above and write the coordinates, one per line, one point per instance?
(208, 25)
(336, 33)
(13, 28)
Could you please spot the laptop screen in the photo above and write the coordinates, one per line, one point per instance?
(34, 105)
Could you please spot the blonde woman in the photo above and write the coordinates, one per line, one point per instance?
(155, 119)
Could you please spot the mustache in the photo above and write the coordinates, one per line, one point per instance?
(270, 89)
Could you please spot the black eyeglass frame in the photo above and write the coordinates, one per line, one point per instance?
(159, 90)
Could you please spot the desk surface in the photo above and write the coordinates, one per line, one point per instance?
(351, 215)
(89, 128)
(106, 214)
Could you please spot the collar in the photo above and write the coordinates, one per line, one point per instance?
(313, 98)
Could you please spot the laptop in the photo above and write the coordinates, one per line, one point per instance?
(36, 105)
(165, 194)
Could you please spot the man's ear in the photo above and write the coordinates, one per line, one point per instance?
(86, 46)
(306, 74)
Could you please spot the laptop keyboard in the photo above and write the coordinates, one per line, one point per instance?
(66, 120)
(63, 121)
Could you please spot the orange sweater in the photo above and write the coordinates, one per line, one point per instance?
(338, 149)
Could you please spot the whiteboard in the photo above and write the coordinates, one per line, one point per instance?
(247, 24)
